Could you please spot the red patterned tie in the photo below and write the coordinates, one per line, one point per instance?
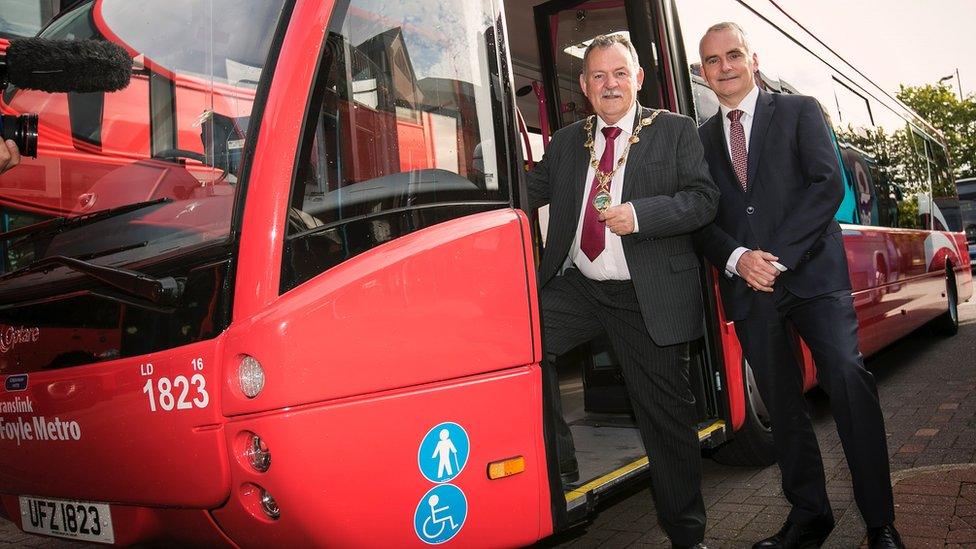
(593, 241)
(737, 138)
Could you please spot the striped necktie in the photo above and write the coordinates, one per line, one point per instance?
(737, 140)
(593, 238)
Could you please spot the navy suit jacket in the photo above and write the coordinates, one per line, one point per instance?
(793, 191)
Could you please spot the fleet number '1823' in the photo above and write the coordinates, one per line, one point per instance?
(175, 394)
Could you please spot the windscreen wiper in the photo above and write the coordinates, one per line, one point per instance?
(164, 291)
(58, 224)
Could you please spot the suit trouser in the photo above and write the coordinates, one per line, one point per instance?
(828, 325)
(576, 310)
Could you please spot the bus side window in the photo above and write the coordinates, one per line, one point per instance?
(914, 212)
(847, 212)
(889, 195)
(946, 214)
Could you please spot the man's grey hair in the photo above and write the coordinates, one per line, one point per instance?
(607, 41)
(734, 27)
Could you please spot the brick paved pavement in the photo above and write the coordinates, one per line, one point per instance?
(928, 391)
(937, 505)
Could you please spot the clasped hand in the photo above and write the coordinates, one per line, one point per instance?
(756, 268)
(619, 219)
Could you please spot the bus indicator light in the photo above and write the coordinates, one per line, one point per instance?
(506, 467)
(250, 376)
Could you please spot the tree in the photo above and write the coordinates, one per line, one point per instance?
(956, 119)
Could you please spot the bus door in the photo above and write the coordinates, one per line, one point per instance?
(547, 58)
(565, 29)
(394, 318)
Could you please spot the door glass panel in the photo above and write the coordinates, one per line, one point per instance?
(407, 132)
(574, 31)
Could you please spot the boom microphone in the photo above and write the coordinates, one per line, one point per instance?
(56, 66)
(65, 65)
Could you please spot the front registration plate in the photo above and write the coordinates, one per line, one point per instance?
(81, 520)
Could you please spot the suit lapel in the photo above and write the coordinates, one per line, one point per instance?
(757, 136)
(720, 147)
(637, 152)
(581, 161)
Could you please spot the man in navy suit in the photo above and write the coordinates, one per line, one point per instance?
(784, 264)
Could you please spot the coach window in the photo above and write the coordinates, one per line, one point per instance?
(860, 204)
(854, 109)
(405, 133)
(888, 196)
(915, 211)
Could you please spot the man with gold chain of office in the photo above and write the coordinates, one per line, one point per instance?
(626, 187)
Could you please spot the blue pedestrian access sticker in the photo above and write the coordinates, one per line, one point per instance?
(443, 452)
(440, 514)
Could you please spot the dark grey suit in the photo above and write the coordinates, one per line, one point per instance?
(650, 319)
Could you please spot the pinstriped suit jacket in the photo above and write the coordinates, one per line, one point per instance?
(667, 180)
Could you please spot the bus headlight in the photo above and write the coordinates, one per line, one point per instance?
(269, 505)
(250, 376)
(258, 454)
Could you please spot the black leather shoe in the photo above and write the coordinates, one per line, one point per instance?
(695, 546)
(569, 471)
(884, 537)
(796, 536)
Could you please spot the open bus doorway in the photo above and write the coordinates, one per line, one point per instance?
(547, 41)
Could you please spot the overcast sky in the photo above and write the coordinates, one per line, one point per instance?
(896, 42)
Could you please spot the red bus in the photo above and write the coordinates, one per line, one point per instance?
(281, 289)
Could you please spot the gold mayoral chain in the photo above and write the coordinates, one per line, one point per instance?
(602, 199)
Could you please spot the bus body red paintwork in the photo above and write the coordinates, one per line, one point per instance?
(190, 458)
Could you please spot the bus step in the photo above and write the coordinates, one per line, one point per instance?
(582, 499)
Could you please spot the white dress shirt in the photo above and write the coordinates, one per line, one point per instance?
(748, 108)
(611, 264)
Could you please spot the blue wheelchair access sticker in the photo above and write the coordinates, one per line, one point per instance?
(440, 514)
(443, 452)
